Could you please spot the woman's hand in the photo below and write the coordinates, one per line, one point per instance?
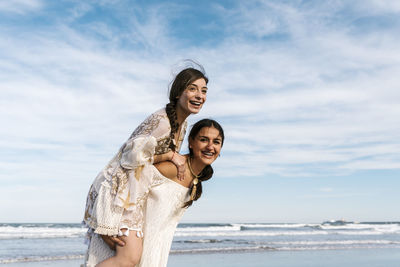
(112, 241)
(179, 162)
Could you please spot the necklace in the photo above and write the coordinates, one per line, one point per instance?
(191, 170)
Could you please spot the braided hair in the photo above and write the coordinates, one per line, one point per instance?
(208, 171)
(180, 83)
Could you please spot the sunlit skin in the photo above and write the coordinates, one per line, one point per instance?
(206, 147)
(192, 99)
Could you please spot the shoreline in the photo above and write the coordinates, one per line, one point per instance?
(372, 257)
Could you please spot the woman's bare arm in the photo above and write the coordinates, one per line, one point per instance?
(163, 157)
(177, 159)
(167, 168)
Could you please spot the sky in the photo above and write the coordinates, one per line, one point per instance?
(307, 92)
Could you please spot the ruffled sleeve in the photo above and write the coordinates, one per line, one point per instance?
(124, 183)
(128, 178)
(132, 178)
(137, 152)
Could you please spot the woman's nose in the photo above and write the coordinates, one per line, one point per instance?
(210, 145)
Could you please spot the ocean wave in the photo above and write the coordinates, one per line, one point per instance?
(50, 225)
(290, 246)
(247, 233)
(226, 228)
(280, 225)
(378, 227)
(292, 243)
(277, 233)
(352, 228)
(23, 232)
(355, 226)
(45, 258)
(203, 241)
(33, 231)
(221, 249)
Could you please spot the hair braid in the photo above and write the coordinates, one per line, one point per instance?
(170, 109)
(206, 174)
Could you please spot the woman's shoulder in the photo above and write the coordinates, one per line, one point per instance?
(160, 117)
(157, 125)
(160, 113)
(167, 169)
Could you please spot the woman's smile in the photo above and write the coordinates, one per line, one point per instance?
(194, 96)
(206, 145)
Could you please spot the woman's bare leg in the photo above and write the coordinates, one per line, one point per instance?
(128, 255)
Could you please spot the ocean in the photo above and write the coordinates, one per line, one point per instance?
(40, 242)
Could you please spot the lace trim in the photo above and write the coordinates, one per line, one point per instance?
(163, 146)
(90, 200)
(148, 126)
(139, 232)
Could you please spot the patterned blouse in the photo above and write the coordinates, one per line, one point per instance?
(117, 196)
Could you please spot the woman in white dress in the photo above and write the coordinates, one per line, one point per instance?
(115, 200)
(167, 199)
(163, 212)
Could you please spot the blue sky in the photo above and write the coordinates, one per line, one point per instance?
(307, 92)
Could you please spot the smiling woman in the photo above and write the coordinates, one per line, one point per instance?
(163, 212)
(205, 142)
(192, 99)
(116, 199)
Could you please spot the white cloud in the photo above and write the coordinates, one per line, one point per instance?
(20, 6)
(378, 6)
(321, 99)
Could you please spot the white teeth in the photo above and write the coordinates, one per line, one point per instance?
(208, 153)
(195, 103)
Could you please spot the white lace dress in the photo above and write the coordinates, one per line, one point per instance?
(163, 209)
(117, 197)
(163, 212)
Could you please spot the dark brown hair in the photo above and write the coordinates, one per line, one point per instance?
(208, 171)
(180, 83)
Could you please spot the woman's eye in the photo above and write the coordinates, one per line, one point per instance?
(203, 139)
(204, 91)
(192, 88)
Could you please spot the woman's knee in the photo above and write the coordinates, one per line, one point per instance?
(129, 261)
(130, 254)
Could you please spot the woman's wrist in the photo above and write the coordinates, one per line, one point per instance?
(172, 155)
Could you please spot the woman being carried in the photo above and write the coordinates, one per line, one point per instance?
(115, 202)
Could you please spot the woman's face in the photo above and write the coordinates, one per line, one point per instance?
(193, 97)
(206, 145)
